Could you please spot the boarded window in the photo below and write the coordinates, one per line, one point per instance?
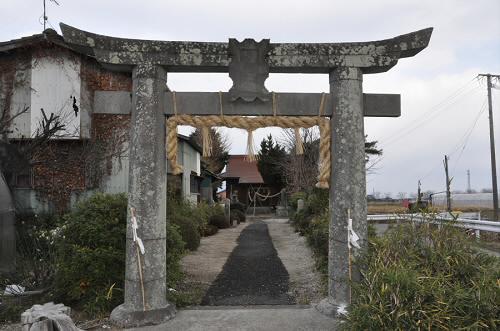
(194, 184)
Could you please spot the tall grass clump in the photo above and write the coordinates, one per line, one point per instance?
(424, 277)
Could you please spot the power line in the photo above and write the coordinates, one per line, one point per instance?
(481, 111)
(442, 105)
(464, 138)
(427, 120)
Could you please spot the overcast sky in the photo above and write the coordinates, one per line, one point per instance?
(444, 109)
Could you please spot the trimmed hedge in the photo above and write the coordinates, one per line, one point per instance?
(219, 221)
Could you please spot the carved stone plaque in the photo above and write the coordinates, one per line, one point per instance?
(248, 69)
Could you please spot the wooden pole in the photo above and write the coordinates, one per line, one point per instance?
(350, 259)
(139, 267)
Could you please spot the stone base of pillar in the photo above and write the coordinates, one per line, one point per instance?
(330, 309)
(124, 317)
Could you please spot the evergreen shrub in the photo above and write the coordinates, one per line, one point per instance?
(219, 221)
(238, 216)
(91, 254)
(295, 197)
(189, 230)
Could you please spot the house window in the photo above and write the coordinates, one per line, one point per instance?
(195, 184)
(24, 179)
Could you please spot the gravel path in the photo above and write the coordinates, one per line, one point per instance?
(202, 266)
(253, 274)
(305, 280)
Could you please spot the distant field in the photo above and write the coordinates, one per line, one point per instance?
(396, 207)
(385, 208)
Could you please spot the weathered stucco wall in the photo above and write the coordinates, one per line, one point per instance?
(55, 88)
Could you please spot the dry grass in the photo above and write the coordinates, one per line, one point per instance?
(385, 208)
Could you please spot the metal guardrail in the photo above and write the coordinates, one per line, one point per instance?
(477, 225)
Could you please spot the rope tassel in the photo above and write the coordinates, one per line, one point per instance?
(250, 148)
(207, 141)
(299, 144)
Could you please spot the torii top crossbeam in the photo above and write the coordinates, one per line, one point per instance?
(182, 56)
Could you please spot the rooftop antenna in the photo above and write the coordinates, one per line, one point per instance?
(45, 18)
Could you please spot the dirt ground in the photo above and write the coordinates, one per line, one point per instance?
(305, 281)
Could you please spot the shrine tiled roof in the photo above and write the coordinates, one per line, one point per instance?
(245, 171)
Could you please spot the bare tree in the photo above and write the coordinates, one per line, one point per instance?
(220, 149)
(301, 171)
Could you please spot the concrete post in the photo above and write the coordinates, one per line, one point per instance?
(147, 194)
(347, 183)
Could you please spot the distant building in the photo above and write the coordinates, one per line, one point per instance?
(243, 180)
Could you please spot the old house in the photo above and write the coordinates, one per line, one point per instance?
(42, 76)
(244, 183)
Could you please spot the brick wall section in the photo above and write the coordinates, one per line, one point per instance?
(8, 65)
(111, 132)
(7, 72)
(59, 170)
(99, 79)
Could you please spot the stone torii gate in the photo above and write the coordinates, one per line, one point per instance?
(249, 64)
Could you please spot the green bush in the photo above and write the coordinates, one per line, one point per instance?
(219, 221)
(189, 230)
(317, 201)
(238, 216)
(175, 250)
(295, 197)
(301, 221)
(238, 206)
(210, 230)
(317, 238)
(178, 210)
(91, 253)
(423, 277)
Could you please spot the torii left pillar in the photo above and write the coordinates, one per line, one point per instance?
(147, 194)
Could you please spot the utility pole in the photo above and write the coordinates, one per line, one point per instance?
(448, 182)
(469, 190)
(492, 146)
(418, 194)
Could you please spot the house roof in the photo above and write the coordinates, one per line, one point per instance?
(245, 171)
(190, 142)
(49, 35)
